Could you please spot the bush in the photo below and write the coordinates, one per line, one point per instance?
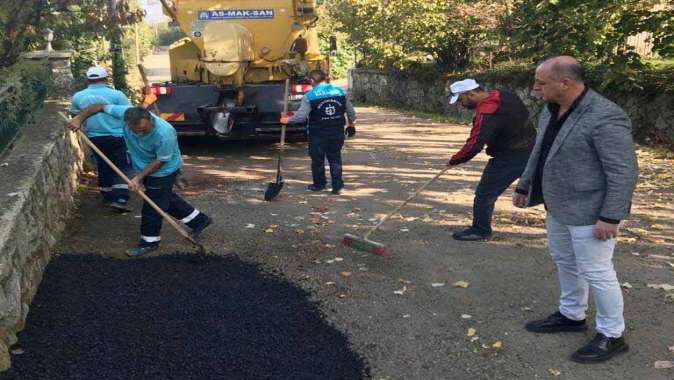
(29, 83)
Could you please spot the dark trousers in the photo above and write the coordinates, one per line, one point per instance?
(112, 187)
(321, 148)
(497, 176)
(160, 191)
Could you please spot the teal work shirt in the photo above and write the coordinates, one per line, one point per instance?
(100, 124)
(160, 144)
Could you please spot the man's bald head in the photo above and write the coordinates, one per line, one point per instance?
(563, 67)
(559, 80)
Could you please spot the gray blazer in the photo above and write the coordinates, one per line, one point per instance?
(591, 170)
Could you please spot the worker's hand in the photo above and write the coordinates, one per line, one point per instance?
(519, 200)
(74, 124)
(605, 231)
(450, 164)
(284, 119)
(350, 131)
(136, 184)
(149, 100)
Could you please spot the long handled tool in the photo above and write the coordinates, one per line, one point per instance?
(274, 188)
(147, 199)
(380, 249)
(141, 70)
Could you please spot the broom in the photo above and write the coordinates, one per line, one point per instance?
(274, 188)
(380, 249)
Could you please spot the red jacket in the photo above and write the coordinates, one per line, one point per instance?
(502, 123)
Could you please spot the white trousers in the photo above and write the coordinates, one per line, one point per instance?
(585, 263)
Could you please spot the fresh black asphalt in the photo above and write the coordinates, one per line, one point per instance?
(174, 317)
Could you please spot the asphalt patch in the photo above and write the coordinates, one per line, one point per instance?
(167, 318)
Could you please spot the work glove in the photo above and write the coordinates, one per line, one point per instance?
(284, 117)
(350, 131)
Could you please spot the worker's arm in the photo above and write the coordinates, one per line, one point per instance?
(75, 123)
(484, 127)
(137, 181)
(351, 113)
(301, 115)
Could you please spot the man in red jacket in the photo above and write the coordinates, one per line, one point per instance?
(501, 122)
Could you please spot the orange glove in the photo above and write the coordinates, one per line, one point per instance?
(149, 99)
(284, 120)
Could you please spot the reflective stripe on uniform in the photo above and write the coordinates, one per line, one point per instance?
(190, 217)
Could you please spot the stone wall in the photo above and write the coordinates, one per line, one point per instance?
(652, 114)
(39, 177)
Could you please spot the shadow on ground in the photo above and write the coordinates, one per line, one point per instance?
(174, 317)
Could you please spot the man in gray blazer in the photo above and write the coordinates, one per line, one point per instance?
(584, 169)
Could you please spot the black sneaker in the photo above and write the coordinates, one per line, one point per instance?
(337, 191)
(470, 234)
(315, 188)
(196, 231)
(600, 349)
(555, 323)
(119, 206)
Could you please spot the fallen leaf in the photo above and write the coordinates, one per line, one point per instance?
(250, 225)
(466, 316)
(471, 332)
(269, 230)
(554, 372)
(342, 296)
(299, 231)
(658, 227)
(636, 254)
(338, 259)
(345, 274)
(664, 364)
(665, 287)
(401, 291)
(475, 339)
(403, 281)
(461, 284)
(626, 285)
(526, 308)
(329, 283)
(329, 261)
(497, 344)
(404, 230)
(437, 284)
(671, 348)
(406, 316)
(330, 246)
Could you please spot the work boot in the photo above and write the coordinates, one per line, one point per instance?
(196, 231)
(555, 323)
(315, 188)
(119, 205)
(337, 190)
(600, 349)
(470, 234)
(141, 249)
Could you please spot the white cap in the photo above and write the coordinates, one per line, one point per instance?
(96, 72)
(460, 87)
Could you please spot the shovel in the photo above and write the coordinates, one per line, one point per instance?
(274, 188)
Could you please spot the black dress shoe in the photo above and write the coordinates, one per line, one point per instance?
(600, 349)
(555, 323)
(470, 234)
(315, 188)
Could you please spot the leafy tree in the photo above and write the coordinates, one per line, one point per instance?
(594, 30)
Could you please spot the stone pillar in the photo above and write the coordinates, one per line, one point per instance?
(58, 62)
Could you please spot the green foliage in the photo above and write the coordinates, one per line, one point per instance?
(396, 33)
(166, 35)
(24, 86)
(595, 32)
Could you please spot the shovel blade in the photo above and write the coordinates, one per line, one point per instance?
(273, 189)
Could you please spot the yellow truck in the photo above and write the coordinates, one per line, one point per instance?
(228, 74)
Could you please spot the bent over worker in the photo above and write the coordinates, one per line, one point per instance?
(153, 147)
(107, 133)
(325, 108)
(501, 122)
